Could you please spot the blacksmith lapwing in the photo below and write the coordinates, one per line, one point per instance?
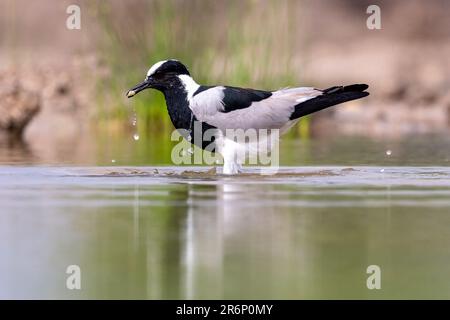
(223, 107)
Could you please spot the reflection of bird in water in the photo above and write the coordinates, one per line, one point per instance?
(232, 237)
(222, 108)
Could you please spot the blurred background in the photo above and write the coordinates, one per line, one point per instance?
(62, 91)
(309, 232)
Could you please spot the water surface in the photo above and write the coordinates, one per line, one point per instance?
(171, 232)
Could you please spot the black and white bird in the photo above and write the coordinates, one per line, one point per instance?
(224, 107)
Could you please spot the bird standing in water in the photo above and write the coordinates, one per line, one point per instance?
(222, 108)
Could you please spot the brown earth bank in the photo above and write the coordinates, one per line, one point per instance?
(48, 107)
(48, 96)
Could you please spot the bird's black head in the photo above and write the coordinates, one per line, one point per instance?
(161, 76)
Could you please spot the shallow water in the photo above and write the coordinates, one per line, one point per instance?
(165, 232)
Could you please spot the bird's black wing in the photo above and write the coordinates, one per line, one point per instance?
(330, 97)
(239, 98)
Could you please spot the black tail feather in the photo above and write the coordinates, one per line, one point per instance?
(330, 97)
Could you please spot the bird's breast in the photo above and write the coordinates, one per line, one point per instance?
(185, 121)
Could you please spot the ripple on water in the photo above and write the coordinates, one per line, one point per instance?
(315, 176)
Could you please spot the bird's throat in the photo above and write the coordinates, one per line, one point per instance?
(178, 107)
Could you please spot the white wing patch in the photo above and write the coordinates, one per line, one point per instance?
(271, 113)
(207, 103)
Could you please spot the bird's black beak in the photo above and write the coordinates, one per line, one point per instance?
(141, 86)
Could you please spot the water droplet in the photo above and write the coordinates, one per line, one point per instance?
(382, 170)
(113, 161)
(388, 152)
(136, 137)
(134, 117)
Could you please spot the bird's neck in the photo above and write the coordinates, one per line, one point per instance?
(177, 97)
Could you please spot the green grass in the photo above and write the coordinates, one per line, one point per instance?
(234, 43)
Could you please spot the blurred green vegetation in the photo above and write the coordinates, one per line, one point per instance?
(241, 43)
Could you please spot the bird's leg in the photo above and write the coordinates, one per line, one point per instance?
(230, 159)
(233, 156)
(230, 166)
